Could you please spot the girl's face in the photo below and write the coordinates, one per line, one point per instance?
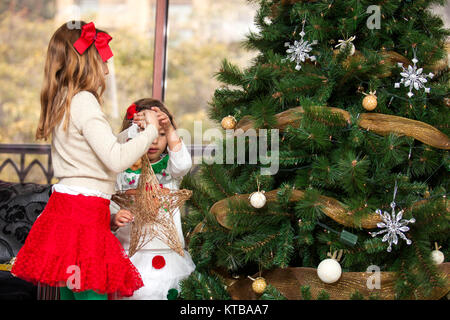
(158, 146)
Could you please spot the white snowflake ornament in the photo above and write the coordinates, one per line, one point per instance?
(300, 50)
(392, 225)
(413, 77)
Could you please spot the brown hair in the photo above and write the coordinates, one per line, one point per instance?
(67, 73)
(147, 104)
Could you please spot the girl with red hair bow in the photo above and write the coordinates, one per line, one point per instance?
(161, 268)
(71, 245)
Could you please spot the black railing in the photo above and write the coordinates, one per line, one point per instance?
(23, 150)
(44, 149)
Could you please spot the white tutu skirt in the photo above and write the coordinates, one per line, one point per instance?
(158, 282)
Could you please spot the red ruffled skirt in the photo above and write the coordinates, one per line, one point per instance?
(71, 243)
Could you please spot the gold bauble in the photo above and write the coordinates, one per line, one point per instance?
(259, 285)
(229, 122)
(447, 102)
(370, 102)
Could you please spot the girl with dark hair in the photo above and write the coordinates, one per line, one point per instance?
(160, 267)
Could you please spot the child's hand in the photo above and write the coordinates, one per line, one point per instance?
(146, 117)
(131, 191)
(122, 217)
(163, 119)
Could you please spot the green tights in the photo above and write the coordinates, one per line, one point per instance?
(67, 294)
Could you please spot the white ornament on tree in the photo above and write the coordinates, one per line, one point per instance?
(436, 255)
(257, 199)
(267, 20)
(413, 77)
(344, 43)
(393, 225)
(329, 270)
(300, 50)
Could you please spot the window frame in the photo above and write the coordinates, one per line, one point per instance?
(160, 49)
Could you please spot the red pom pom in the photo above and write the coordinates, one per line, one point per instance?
(158, 262)
(131, 111)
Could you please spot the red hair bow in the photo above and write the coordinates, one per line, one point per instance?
(88, 36)
(131, 111)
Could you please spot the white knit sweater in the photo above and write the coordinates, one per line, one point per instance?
(88, 154)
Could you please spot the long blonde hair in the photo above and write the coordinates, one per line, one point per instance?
(67, 73)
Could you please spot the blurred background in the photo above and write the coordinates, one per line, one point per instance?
(201, 33)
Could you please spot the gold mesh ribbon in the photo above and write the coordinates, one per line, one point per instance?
(330, 207)
(153, 209)
(382, 124)
(289, 280)
(7, 266)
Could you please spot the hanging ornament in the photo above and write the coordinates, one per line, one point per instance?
(413, 77)
(447, 101)
(370, 101)
(229, 122)
(267, 20)
(329, 270)
(393, 225)
(259, 284)
(257, 199)
(344, 43)
(300, 50)
(436, 255)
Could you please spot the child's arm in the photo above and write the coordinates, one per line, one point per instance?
(122, 136)
(119, 217)
(129, 133)
(91, 122)
(180, 160)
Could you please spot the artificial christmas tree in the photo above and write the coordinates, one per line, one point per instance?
(342, 168)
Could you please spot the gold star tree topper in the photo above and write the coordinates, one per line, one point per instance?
(153, 209)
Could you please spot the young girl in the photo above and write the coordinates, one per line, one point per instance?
(71, 245)
(160, 267)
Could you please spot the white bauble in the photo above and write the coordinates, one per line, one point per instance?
(258, 199)
(437, 256)
(329, 271)
(344, 46)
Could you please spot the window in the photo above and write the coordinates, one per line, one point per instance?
(201, 34)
